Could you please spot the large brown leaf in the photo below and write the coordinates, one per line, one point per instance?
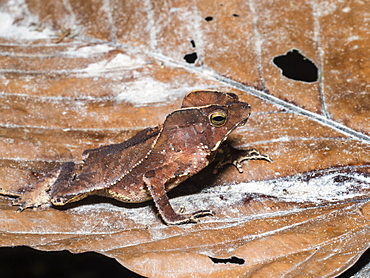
(125, 65)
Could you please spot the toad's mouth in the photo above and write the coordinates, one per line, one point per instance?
(242, 123)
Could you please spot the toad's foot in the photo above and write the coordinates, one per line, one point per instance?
(32, 199)
(38, 195)
(201, 213)
(249, 155)
(188, 218)
(236, 157)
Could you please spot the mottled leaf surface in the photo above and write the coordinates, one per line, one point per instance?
(77, 75)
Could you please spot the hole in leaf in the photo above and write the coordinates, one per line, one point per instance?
(297, 67)
(209, 18)
(191, 57)
(231, 260)
(235, 15)
(192, 43)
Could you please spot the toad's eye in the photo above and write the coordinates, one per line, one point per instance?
(218, 118)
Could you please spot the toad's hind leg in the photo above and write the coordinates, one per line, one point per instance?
(39, 194)
(156, 187)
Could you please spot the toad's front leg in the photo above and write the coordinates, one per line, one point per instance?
(230, 155)
(155, 183)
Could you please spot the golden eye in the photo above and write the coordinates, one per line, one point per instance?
(218, 118)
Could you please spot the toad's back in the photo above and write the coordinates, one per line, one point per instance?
(106, 165)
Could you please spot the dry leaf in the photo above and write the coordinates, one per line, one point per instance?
(80, 74)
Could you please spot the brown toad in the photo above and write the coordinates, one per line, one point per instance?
(153, 161)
